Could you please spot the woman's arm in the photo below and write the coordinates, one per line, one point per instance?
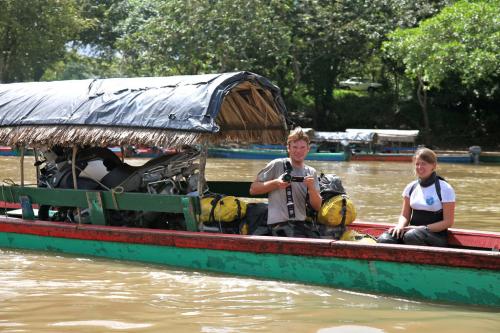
(448, 218)
(404, 219)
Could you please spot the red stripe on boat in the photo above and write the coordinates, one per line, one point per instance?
(260, 244)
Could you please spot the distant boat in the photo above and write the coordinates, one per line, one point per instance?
(463, 158)
(388, 145)
(7, 151)
(370, 144)
(489, 157)
(10, 151)
(270, 154)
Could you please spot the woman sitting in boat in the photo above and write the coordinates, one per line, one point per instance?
(290, 185)
(428, 207)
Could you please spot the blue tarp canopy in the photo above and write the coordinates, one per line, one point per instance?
(161, 111)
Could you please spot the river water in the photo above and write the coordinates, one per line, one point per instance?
(43, 292)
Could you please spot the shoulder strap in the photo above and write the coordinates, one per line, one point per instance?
(290, 206)
(412, 188)
(214, 202)
(343, 211)
(284, 160)
(436, 184)
(438, 189)
(238, 203)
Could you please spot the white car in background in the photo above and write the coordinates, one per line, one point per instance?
(357, 83)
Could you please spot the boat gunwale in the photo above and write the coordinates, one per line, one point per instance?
(451, 257)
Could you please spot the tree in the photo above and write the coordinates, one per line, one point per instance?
(332, 38)
(34, 34)
(99, 37)
(462, 42)
(190, 37)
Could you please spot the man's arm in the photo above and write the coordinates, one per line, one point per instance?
(315, 199)
(259, 187)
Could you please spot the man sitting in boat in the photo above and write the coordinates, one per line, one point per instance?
(428, 207)
(290, 185)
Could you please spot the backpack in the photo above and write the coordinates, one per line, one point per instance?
(222, 208)
(330, 185)
(255, 220)
(337, 209)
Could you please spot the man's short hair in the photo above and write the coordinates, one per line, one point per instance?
(297, 134)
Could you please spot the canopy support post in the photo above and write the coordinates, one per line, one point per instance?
(73, 166)
(203, 162)
(37, 166)
(75, 185)
(22, 166)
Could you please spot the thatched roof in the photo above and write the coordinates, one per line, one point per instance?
(158, 111)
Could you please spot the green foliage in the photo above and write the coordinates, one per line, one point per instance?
(357, 109)
(191, 37)
(75, 66)
(100, 34)
(463, 41)
(34, 34)
(456, 54)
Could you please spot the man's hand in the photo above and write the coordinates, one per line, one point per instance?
(280, 183)
(309, 181)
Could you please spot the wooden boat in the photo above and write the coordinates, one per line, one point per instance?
(269, 154)
(370, 144)
(381, 157)
(387, 145)
(489, 157)
(10, 151)
(466, 273)
(7, 151)
(458, 158)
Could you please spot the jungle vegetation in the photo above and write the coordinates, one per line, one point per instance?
(438, 60)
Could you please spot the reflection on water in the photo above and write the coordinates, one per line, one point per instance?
(50, 293)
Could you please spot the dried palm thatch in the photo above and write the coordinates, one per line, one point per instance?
(250, 114)
(243, 108)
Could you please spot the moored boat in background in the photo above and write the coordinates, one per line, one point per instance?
(489, 157)
(7, 151)
(270, 154)
(370, 144)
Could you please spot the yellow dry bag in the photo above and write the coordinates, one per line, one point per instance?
(335, 209)
(354, 236)
(220, 208)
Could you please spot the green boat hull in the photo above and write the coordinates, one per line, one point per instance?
(430, 282)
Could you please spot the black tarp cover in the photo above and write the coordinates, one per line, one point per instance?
(181, 104)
